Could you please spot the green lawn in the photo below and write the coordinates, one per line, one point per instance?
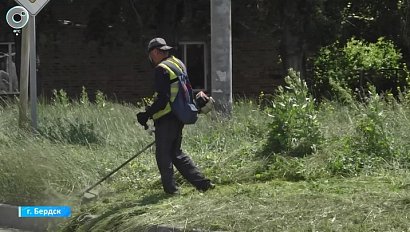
(379, 203)
(345, 185)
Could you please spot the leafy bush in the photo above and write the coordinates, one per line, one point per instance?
(60, 98)
(84, 99)
(372, 137)
(371, 142)
(294, 129)
(100, 99)
(356, 65)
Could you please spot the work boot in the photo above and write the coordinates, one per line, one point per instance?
(173, 193)
(207, 187)
(176, 193)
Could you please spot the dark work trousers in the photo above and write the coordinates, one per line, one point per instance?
(168, 137)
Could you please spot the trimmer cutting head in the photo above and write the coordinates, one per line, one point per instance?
(89, 196)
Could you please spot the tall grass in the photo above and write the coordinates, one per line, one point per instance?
(76, 144)
(79, 141)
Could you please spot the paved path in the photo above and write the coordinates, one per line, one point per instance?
(12, 230)
(9, 219)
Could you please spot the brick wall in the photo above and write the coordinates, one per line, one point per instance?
(68, 61)
(255, 65)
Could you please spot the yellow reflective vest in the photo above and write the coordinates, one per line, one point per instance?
(173, 83)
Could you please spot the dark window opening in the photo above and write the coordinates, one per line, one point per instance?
(193, 54)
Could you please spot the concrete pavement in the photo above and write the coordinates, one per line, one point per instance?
(9, 219)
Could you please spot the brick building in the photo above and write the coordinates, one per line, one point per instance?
(68, 59)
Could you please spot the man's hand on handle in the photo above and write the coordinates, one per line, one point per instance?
(142, 119)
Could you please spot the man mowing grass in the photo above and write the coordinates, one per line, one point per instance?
(168, 128)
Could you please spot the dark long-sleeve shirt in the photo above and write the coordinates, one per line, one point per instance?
(163, 88)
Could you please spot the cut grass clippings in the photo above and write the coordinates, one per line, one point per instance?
(379, 203)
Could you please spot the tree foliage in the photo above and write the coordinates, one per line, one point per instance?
(306, 25)
(357, 64)
(5, 29)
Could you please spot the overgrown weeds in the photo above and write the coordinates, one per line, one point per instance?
(294, 128)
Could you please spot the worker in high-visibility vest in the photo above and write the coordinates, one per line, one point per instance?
(168, 129)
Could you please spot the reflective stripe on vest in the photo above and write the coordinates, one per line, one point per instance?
(173, 87)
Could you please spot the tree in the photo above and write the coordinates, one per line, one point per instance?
(343, 69)
(5, 29)
(302, 26)
(370, 20)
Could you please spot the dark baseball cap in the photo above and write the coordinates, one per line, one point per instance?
(158, 43)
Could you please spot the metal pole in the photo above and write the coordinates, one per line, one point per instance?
(221, 55)
(33, 72)
(8, 62)
(24, 75)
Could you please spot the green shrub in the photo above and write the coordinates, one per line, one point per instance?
(60, 98)
(84, 99)
(357, 64)
(294, 129)
(372, 136)
(369, 145)
(100, 99)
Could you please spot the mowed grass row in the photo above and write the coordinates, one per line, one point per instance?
(377, 203)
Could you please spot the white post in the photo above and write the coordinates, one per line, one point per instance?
(29, 60)
(33, 72)
(9, 60)
(221, 55)
(24, 75)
